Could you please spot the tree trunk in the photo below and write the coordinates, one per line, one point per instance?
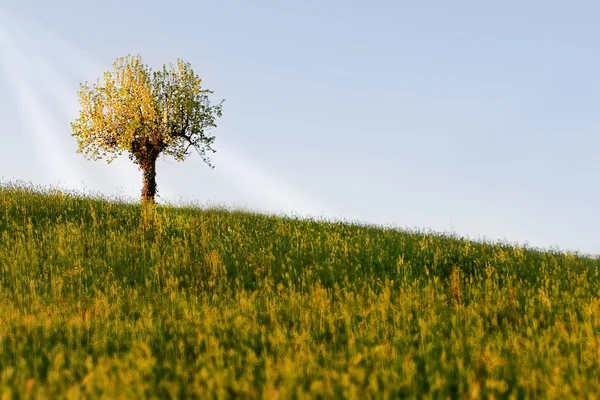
(149, 170)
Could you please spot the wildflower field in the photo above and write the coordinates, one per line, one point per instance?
(105, 299)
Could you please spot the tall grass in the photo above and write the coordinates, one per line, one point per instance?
(109, 299)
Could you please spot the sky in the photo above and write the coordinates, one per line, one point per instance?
(476, 118)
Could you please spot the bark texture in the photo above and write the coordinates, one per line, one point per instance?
(149, 189)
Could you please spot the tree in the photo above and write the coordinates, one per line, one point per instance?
(146, 114)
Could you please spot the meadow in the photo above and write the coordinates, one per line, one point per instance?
(106, 299)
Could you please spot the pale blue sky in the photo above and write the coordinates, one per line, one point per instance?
(465, 115)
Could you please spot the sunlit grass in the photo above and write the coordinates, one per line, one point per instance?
(109, 299)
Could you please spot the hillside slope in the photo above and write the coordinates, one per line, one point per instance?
(107, 299)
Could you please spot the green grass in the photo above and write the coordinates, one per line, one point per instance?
(108, 299)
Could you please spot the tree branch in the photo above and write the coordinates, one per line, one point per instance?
(181, 132)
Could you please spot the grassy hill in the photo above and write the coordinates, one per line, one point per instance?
(107, 299)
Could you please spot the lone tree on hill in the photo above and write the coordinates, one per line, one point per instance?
(145, 114)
